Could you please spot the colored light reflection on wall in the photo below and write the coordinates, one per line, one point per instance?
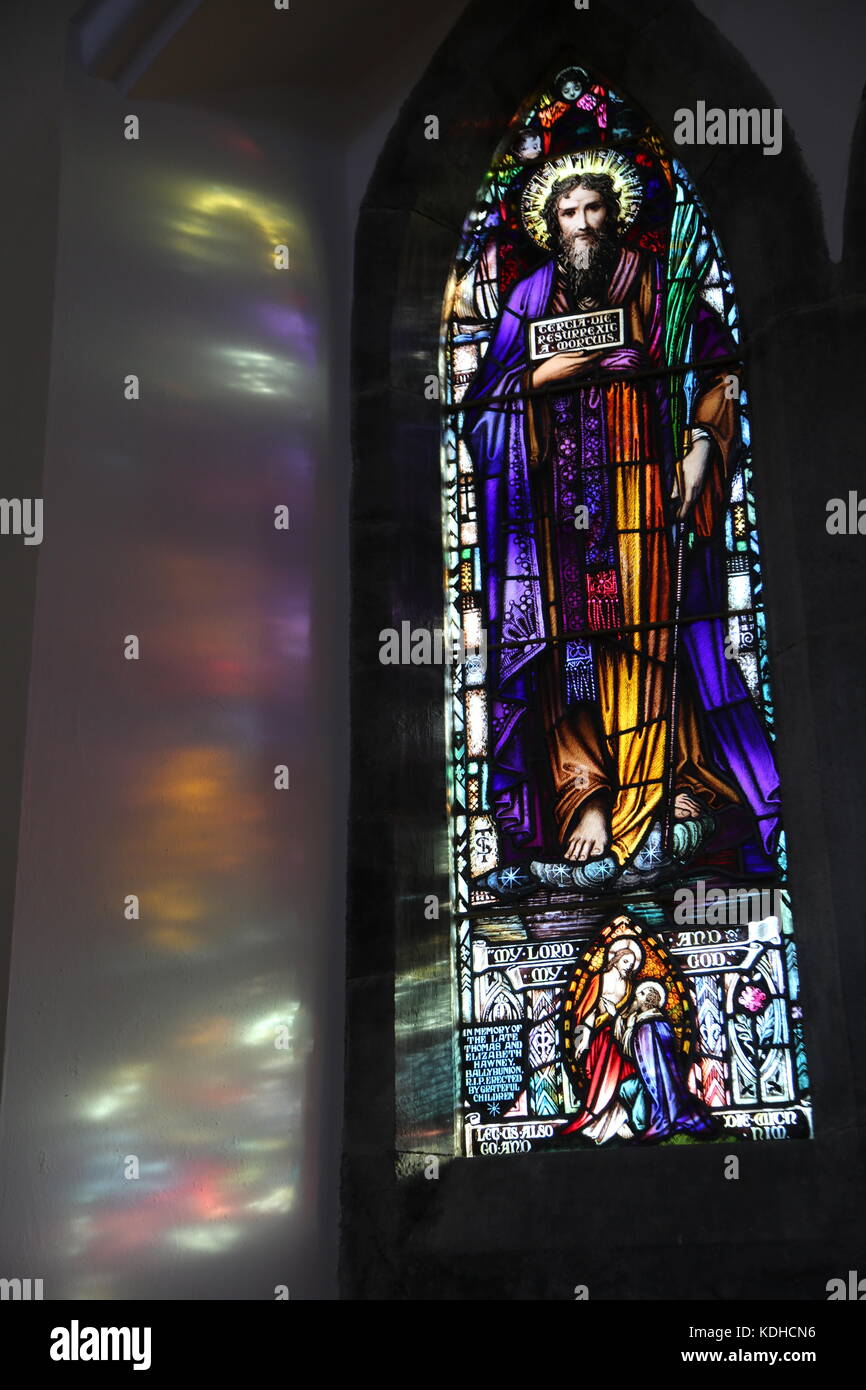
(161, 1129)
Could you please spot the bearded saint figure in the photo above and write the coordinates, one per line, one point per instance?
(588, 758)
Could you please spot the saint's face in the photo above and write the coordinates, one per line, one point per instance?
(626, 964)
(581, 215)
(653, 999)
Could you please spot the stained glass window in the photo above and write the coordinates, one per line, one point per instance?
(624, 959)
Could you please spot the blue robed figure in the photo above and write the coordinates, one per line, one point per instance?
(657, 1100)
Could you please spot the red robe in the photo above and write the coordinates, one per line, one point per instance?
(604, 1064)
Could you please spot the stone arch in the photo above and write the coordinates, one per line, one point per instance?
(665, 56)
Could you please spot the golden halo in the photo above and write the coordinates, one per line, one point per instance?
(623, 174)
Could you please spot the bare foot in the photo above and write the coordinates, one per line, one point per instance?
(686, 808)
(591, 836)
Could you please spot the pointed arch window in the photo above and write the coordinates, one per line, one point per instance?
(624, 961)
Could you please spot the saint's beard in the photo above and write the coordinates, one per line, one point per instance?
(589, 263)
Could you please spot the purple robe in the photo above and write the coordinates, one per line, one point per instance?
(672, 1107)
(496, 435)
